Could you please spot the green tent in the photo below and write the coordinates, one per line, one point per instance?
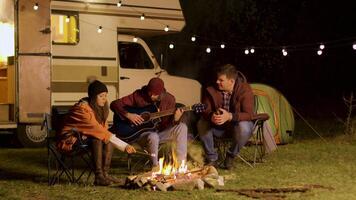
(269, 100)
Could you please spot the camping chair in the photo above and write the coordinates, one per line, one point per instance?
(253, 155)
(67, 164)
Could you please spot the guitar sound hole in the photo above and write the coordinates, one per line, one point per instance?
(145, 116)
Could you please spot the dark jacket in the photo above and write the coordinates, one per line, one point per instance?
(141, 99)
(241, 102)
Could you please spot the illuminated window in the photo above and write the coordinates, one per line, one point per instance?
(7, 42)
(65, 28)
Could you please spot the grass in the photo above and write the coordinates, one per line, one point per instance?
(308, 160)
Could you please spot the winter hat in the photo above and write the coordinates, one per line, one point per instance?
(155, 86)
(95, 88)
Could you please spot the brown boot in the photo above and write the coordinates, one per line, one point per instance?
(97, 149)
(108, 148)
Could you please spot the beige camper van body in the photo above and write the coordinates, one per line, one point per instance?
(53, 71)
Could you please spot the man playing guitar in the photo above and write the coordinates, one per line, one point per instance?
(168, 129)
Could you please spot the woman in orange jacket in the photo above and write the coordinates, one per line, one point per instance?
(89, 117)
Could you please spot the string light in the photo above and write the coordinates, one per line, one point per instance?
(321, 46)
(246, 51)
(193, 38)
(171, 46)
(36, 6)
(222, 46)
(354, 46)
(252, 50)
(135, 39)
(142, 17)
(166, 28)
(208, 50)
(67, 19)
(284, 52)
(119, 4)
(100, 29)
(320, 52)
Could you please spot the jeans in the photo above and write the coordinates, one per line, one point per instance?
(177, 133)
(240, 134)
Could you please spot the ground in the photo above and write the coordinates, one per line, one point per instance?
(308, 160)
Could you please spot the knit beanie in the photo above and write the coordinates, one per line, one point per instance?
(95, 88)
(155, 86)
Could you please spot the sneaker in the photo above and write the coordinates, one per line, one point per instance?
(229, 162)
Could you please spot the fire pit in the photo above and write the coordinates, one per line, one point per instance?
(174, 176)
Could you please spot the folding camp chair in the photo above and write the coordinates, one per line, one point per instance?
(72, 165)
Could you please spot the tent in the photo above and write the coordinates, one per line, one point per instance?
(271, 101)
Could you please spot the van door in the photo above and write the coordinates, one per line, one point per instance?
(34, 61)
(137, 64)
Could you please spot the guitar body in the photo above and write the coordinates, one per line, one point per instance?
(129, 132)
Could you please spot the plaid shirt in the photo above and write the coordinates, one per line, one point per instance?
(226, 100)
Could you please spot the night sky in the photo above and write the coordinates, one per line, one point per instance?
(313, 84)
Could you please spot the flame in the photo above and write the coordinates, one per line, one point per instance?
(171, 168)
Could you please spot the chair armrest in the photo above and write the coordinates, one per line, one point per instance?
(260, 116)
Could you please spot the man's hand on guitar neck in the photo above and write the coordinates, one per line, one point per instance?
(135, 118)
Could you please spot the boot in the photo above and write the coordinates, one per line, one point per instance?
(108, 148)
(97, 148)
(229, 161)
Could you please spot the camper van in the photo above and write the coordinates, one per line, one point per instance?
(50, 50)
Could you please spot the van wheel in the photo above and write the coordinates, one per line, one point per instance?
(31, 135)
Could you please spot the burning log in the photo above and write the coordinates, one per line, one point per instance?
(194, 179)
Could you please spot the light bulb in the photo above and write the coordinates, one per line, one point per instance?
(142, 17)
(252, 50)
(222, 46)
(193, 38)
(166, 28)
(208, 50)
(67, 19)
(135, 39)
(285, 53)
(320, 52)
(354, 46)
(119, 4)
(100, 29)
(246, 51)
(171, 46)
(35, 7)
(321, 46)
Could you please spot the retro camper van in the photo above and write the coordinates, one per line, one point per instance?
(49, 50)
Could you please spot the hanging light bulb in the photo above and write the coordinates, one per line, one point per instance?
(252, 50)
(320, 52)
(142, 17)
(222, 46)
(321, 46)
(246, 51)
(284, 52)
(166, 28)
(193, 38)
(68, 19)
(208, 50)
(119, 4)
(354, 46)
(171, 46)
(135, 39)
(36, 6)
(100, 29)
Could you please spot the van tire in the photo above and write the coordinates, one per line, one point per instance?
(31, 136)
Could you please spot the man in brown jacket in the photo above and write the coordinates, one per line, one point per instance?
(229, 113)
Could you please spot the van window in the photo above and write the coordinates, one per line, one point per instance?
(65, 28)
(133, 55)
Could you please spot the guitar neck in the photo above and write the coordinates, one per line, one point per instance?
(168, 112)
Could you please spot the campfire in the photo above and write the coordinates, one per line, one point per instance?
(175, 176)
